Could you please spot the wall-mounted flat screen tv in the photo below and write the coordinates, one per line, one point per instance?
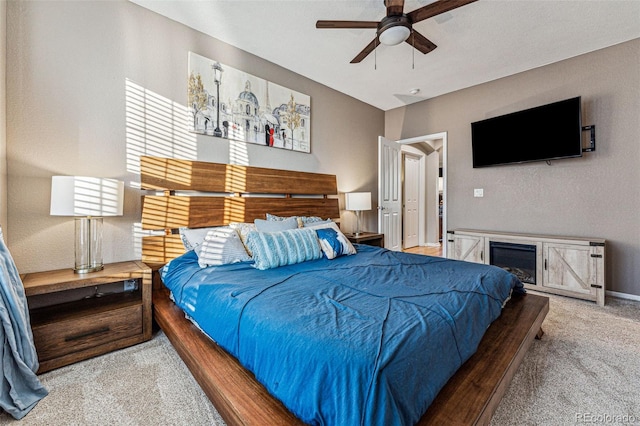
(543, 133)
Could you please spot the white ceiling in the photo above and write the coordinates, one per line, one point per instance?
(479, 42)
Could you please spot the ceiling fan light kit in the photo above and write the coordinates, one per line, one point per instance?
(397, 27)
(394, 32)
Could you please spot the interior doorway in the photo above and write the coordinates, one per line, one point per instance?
(412, 194)
(431, 192)
(431, 209)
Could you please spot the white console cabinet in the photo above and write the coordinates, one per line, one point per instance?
(561, 265)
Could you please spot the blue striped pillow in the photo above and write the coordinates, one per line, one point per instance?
(273, 249)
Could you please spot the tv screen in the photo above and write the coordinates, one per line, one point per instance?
(547, 132)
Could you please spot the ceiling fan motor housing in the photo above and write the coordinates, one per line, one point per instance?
(394, 30)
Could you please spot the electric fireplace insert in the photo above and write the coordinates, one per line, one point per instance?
(519, 259)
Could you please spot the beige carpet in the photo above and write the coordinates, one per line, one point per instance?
(586, 369)
(146, 384)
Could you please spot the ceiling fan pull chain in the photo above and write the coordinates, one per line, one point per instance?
(375, 55)
(413, 51)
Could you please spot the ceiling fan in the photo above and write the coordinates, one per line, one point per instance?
(397, 26)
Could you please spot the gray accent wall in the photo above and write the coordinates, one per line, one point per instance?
(597, 195)
(92, 85)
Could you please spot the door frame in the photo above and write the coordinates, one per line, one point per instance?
(428, 138)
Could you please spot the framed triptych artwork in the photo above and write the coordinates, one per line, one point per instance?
(233, 104)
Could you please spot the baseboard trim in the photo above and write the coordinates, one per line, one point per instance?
(622, 295)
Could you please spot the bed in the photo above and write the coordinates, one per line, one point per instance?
(371, 384)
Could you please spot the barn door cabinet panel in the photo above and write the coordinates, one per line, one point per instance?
(568, 266)
(575, 268)
(468, 247)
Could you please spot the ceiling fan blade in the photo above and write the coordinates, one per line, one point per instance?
(347, 24)
(420, 42)
(394, 7)
(436, 8)
(370, 48)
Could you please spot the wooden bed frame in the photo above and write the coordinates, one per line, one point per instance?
(242, 194)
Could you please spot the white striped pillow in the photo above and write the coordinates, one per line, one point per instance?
(273, 249)
(193, 237)
(220, 247)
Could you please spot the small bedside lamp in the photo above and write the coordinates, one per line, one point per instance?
(357, 201)
(88, 199)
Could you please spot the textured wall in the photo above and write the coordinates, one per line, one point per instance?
(92, 85)
(3, 117)
(597, 195)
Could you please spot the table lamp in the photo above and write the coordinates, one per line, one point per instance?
(88, 199)
(357, 201)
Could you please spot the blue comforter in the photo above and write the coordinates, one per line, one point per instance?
(367, 339)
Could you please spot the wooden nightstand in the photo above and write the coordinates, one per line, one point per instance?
(102, 320)
(369, 238)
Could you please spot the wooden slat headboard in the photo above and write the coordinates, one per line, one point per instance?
(214, 194)
(175, 174)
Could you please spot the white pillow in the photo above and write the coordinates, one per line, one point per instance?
(243, 229)
(193, 237)
(220, 247)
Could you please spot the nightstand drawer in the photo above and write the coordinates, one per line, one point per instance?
(60, 338)
(78, 316)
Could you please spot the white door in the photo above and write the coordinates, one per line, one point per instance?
(389, 193)
(411, 194)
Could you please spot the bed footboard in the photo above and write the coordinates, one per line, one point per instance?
(470, 397)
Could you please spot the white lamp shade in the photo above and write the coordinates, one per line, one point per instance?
(357, 201)
(394, 35)
(86, 196)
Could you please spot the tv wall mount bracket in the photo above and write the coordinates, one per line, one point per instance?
(592, 138)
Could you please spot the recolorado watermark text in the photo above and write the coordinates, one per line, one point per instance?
(607, 418)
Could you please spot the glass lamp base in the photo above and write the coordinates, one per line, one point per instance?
(84, 270)
(88, 245)
(358, 231)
